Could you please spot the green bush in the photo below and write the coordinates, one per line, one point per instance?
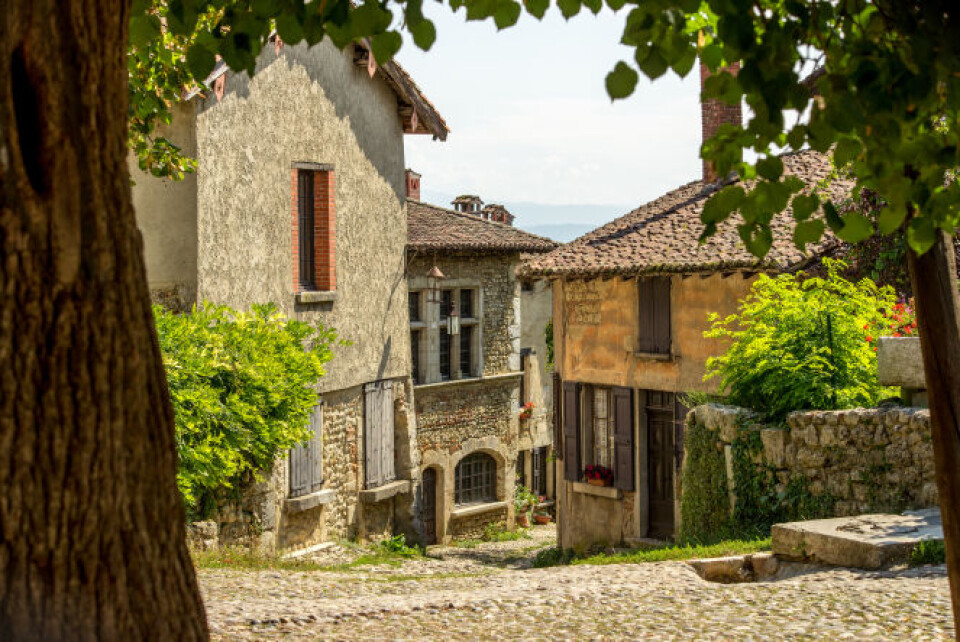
(242, 386)
(803, 343)
(704, 505)
(928, 551)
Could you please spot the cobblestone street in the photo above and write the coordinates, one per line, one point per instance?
(486, 593)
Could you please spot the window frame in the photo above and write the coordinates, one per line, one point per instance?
(436, 342)
(480, 469)
(313, 227)
(589, 442)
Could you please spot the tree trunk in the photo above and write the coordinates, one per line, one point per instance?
(934, 279)
(91, 524)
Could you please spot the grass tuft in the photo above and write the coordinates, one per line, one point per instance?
(556, 557)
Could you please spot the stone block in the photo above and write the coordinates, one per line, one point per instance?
(810, 457)
(729, 427)
(899, 362)
(774, 446)
(866, 541)
(725, 570)
(765, 565)
(849, 417)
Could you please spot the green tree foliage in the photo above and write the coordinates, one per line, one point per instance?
(243, 388)
(801, 343)
(889, 91)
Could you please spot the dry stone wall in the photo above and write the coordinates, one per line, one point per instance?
(857, 461)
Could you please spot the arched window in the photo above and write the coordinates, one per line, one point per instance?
(476, 479)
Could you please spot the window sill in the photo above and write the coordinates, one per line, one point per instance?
(388, 490)
(653, 356)
(453, 382)
(317, 296)
(319, 498)
(477, 509)
(608, 492)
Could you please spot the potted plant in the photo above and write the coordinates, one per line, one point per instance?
(542, 517)
(598, 475)
(526, 412)
(523, 501)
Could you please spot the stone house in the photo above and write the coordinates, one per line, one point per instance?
(631, 300)
(471, 371)
(299, 200)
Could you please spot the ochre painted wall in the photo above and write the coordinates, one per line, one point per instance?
(599, 331)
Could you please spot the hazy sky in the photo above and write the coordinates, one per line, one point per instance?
(531, 122)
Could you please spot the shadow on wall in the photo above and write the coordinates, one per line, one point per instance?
(329, 68)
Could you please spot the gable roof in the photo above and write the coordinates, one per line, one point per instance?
(663, 235)
(436, 228)
(412, 99)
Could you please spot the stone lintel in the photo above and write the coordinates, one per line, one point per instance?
(317, 296)
(297, 504)
(380, 493)
(608, 492)
(477, 509)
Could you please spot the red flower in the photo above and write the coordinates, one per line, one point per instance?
(869, 338)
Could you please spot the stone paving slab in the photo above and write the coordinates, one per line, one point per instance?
(864, 541)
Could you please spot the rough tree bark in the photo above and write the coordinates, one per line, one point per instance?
(934, 279)
(91, 525)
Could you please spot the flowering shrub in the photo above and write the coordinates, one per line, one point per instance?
(803, 343)
(527, 410)
(903, 320)
(598, 472)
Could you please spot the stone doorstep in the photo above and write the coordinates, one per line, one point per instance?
(302, 552)
(607, 492)
(864, 541)
(380, 493)
(478, 509)
(297, 504)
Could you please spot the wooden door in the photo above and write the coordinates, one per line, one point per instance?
(660, 458)
(428, 506)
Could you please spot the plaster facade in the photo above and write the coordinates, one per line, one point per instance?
(167, 217)
(596, 324)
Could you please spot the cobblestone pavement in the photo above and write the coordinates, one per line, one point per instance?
(488, 594)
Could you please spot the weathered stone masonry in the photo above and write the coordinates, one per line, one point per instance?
(863, 460)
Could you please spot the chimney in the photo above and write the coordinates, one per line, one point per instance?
(413, 185)
(713, 114)
(468, 204)
(498, 213)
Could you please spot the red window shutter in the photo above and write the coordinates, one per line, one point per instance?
(623, 472)
(571, 432)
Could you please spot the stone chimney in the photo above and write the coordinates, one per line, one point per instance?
(468, 204)
(413, 185)
(498, 213)
(713, 114)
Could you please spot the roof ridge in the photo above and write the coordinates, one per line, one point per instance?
(471, 217)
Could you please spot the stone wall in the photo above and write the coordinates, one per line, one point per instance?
(472, 526)
(852, 461)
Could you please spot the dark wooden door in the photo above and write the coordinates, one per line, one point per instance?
(660, 456)
(428, 507)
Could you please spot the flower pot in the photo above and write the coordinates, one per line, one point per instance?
(522, 520)
(598, 482)
(542, 519)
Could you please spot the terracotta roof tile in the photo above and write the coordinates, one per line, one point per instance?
(436, 228)
(662, 236)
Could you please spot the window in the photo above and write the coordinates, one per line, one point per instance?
(415, 355)
(538, 471)
(314, 261)
(654, 320)
(378, 442)
(476, 480)
(449, 350)
(521, 468)
(306, 459)
(598, 428)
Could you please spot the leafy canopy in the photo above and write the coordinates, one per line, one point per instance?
(890, 91)
(242, 387)
(801, 343)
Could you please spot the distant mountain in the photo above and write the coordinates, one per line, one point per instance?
(562, 232)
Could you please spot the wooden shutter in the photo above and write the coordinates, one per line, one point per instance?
(623, 471)
(371, 435)
(571, 432)
(654, 315)
(306, 459)
(387, 467)
(379, 467)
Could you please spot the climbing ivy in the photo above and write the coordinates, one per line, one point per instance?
(704, 505)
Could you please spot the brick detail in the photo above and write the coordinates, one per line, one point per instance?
(324, 232)
(713, 114)
(413, 185)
